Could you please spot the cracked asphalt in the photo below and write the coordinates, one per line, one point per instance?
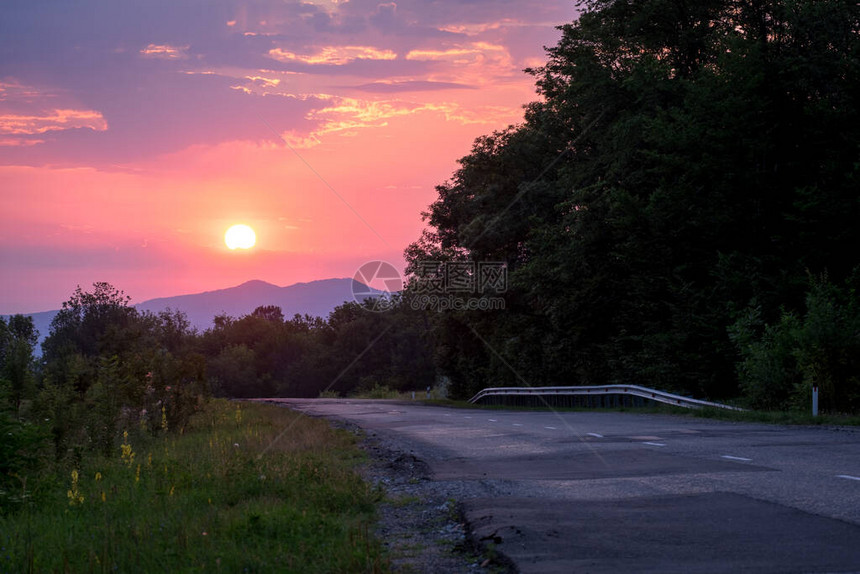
(602, 492)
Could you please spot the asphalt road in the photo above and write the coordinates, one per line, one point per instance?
(621, 492)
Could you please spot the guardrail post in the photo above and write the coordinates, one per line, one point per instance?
(815, 400)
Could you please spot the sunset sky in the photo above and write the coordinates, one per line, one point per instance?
(133, 134)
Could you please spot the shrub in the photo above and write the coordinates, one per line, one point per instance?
(780, 363)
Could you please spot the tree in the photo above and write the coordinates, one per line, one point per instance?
(90, 323)
(269, 313)
(18, 339)
(109, 367)
(685, 160)
(23, 440)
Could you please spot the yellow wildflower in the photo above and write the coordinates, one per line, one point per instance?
(75, 496)
(127, 452)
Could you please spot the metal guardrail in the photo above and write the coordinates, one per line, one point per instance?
(604, 390)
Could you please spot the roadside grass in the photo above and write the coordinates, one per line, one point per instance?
(245, 488)
(379, 391)
(770, 417)
(773, 417)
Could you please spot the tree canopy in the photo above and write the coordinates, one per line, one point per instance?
(686, 162)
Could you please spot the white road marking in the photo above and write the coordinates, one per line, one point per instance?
(594, 434)
(517, 425)
(467, 417)
(550, 428)
(740, 458)
(848, 476)
(493, 420)
(655, 443)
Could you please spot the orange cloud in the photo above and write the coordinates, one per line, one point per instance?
(345, 117)
(257, 84)
(165, 52)
(16, 142)
(472, 53)
(475, 63)
(11, 89)
(476, 29)
(334, 55)
(266, 82)
(450, 54)
(58, 119)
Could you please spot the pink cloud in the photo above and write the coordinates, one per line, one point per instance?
(11, 89)
(19, 142)
(334, 55)
(165, 52)
(57, 119)
(472, 63)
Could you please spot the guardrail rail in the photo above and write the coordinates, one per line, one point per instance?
(602, 391)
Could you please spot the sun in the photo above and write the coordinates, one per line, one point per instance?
(240, 236)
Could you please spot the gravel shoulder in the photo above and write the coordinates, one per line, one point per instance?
(419, 521)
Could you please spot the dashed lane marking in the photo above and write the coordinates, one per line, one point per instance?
(655, 443)
(594, 434)
(740, 458)
(848, 476)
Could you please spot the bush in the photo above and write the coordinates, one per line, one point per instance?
(22, 451)
(781, 363)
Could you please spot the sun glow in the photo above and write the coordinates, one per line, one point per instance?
(240, 236)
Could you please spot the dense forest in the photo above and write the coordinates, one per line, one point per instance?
(678, 209)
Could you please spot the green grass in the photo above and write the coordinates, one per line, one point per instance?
(246, 488)
(771, 417)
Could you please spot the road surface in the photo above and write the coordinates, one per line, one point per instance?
(603, 492)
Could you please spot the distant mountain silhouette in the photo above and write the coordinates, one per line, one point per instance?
(317, 298)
